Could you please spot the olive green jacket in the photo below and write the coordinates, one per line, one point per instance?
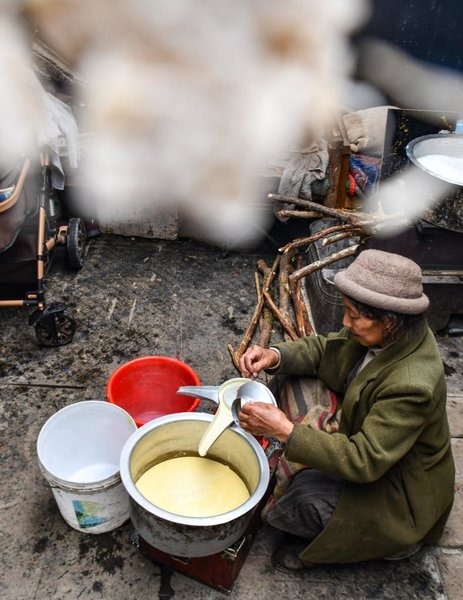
(392, 448)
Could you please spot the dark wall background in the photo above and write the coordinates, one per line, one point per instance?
(430, 30)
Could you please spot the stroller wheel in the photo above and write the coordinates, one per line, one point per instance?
(76, 239)
(55, 329)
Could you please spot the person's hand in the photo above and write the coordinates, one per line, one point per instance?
(260, 418)
(257, 358)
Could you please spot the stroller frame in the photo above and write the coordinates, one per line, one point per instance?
(54, 326)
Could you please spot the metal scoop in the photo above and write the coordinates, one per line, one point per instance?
(252, 391)
(230, 396)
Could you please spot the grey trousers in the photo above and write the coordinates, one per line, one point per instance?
(307, 505)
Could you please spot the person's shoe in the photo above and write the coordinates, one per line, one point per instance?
(285, 557)
(410, 551)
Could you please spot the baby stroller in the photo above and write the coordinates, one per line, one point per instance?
(28, 235)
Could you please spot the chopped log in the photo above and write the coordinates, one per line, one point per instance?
(283, 320)
(320, 264)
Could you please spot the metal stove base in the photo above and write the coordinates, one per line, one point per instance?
(218, 571)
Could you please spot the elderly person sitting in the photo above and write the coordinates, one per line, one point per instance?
(380, 482)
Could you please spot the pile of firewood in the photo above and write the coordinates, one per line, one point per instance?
(279, 286)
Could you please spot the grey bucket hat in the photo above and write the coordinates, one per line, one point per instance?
(384, 280)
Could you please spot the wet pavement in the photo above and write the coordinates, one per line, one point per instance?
(184, 299)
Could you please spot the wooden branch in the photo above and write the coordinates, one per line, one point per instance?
(291, 200)
(284, 322)
(271, 274)
(305, 241)
(233, 357)
(302, 214)
(283, 287)
(320, 264)
(342, 236)
(266, 326)
(338, 157)
(266, 316)
(263, 267)
(257, 284)
(265, 270)
(361, 224)
(303, 324)
(255, 317)
(358, 218)
(336, 213)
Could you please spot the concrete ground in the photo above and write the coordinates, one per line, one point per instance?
(182, 299)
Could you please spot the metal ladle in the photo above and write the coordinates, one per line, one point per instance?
(230, 397)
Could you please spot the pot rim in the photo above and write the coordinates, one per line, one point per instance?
(136, 496)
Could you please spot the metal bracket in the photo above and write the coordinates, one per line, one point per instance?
(232, 552)
(62, 234)
(184, 560)
(134, 538)
(52, 308)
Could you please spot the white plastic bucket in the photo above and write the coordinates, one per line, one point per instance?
(79, 449)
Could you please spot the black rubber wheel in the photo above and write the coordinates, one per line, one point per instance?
(76, 239)
(55, 329)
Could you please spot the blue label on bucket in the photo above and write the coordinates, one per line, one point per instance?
(86, 513)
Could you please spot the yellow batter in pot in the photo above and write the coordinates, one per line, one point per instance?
(193, 486)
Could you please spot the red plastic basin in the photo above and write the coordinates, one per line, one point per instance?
(146, 387)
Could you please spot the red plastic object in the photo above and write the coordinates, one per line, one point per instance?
(146, 387)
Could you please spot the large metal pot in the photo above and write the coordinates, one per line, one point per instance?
(441, 156)
(446, 152)
(177, 435)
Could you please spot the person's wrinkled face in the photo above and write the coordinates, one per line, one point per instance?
(367, 331)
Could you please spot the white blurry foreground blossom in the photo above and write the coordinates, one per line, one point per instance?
(186, 99)
(20, 114)
(408, 81)
(409, 195)
(416, 84)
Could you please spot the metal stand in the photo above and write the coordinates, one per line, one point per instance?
(218, 571)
